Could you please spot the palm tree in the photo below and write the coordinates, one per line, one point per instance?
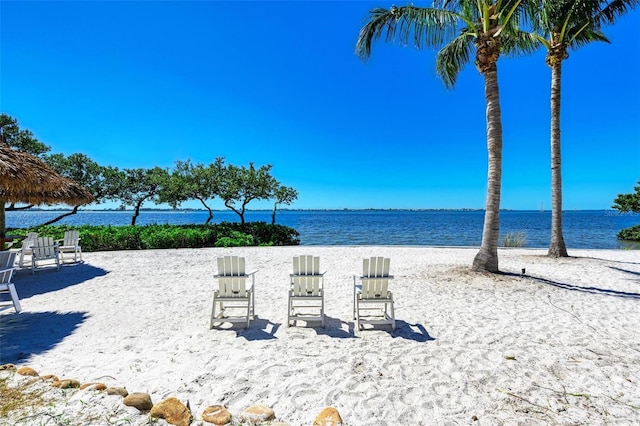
(487, 26)
(564, 25)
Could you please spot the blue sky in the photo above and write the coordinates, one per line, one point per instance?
(145, 83)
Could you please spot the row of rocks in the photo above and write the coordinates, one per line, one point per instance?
(172, 410)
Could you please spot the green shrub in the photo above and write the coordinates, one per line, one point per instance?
(237, 239)
(630, 234)
(226, 234)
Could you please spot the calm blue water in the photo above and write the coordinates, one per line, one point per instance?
(582, 229)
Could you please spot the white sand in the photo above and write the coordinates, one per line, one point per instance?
(559, 346)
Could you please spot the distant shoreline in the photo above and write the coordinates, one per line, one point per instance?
(318, 210)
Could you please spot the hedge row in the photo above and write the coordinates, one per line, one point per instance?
(225, 234)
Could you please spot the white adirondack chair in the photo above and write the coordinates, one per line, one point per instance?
(232, 292)
(306, 293)
(45, 250)
(70, 244)
(7, 259)
(29, 240)
(372, 300)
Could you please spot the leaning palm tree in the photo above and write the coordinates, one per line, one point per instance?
(486, 27)
(562, 25)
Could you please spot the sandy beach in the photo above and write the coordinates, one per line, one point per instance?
(559, 345)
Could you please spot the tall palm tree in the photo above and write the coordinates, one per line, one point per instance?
(487, 27)
(562, 25)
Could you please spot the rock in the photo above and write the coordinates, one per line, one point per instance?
(27, 371)
(173, 411)
(66, 384)
(117, 391)
(141, 401)
(328, 417)
(9, 367)
(94, 386)
(258, 413)
(51, 377)
(216, 414)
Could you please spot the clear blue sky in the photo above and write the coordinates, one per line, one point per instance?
(145, 83)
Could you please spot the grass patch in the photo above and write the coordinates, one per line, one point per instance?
(514, 239)
(19, 397)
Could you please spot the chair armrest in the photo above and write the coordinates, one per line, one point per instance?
(251, 273)
(360, 277)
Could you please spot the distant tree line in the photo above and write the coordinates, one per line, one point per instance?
(235, 186)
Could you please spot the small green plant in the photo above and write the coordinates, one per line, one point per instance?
(514, 239)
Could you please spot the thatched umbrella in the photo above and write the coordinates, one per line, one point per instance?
(26, 179)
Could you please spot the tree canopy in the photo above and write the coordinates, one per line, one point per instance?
(236, 186)
(628, 202)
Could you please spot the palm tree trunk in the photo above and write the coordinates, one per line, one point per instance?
(557, 247)
(487, 257)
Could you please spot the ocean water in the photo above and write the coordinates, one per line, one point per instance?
(594, 229)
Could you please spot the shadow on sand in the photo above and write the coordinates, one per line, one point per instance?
(592, 290)
(28, 284)
(26, 334)
(259, 329)
(625, 271)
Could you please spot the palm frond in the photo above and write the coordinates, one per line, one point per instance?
(520, 43)
(585, 37)
(453, 57)
(615, 9)
(426, 27)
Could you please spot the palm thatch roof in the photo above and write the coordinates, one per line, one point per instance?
(26, 179)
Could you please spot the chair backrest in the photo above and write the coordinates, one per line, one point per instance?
(5, 278)
(44, 248)
(231, 276)
(7, 259)
(375, 277)
(306, 275)
(29, 240)
(71, 237)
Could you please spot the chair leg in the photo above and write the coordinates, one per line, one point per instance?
(14, 297)
(248, 314)
(213, 312)
(393, 316)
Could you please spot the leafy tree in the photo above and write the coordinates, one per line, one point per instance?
(21, 140)
(85, 172)
(190, 181)
(628, 202)
(484, 27)
(240, 185)
(562, 25)
(283, 195)
(135, 186)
